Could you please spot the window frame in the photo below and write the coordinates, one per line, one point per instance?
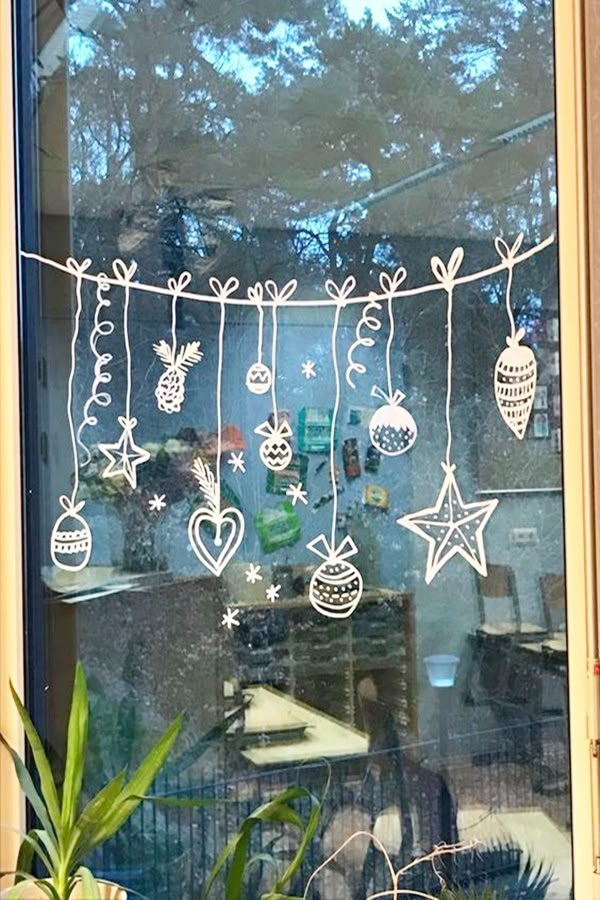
(576, 377)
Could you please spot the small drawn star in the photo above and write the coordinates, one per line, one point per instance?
(236, 460)
(296, 492)
(157, 503)
(230, 618)
(124, 456)
(273, 592)
(253, 574)
(308, 369)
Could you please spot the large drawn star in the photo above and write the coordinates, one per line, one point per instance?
(125, 456)
(452, 526)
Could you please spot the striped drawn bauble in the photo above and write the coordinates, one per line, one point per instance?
(515, 379)
(336, 588)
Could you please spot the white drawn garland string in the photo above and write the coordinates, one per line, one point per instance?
(315, 302)
(71, 538)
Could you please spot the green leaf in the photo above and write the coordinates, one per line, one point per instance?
(92, 815)
(30, 846)
(128, 800)
(76, 747)
(17, 890)
(89, 885)
(234, 886)
(309, 833)
(180, 802)
(32, 795)
(47, 783)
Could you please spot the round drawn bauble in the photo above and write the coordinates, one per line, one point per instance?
(258, 378)
(336, 588)
(71, 539)
(515, 377)
(392, 428)
(275, 453)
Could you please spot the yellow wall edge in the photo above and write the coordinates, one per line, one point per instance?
(11, 618)
(577, 424)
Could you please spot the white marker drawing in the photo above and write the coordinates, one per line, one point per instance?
(258, 376)
(124, 455)
(102, 328)
(237, 462)
(392, 428)
(451, 526)
(336, 585)
(308, 369)
(252, 574)
(231, 618)
(71, 538)
(170, 390)
(367, 320)
(275, 451)
(157, 503)
(272, 592)
(296, 493)
(515, 373)
(228, 523)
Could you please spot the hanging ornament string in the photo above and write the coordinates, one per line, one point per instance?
(336, 586)
(71, 538)
(515, 372)
(228, 523)
(170, 390)
(258, 376)
(275, 450)
(451, 526)
(102, 328)
(76, 269)
(392, 428)
(124, 455)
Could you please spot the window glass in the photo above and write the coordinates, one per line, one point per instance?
(387, 615)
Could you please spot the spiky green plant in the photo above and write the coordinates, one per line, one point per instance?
(69, 830)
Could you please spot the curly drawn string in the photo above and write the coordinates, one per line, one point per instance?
(78, 270)
(124, 275)
(102, 328)
(358, 300)
(367, 320)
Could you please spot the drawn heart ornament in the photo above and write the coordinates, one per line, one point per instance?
(215, 552)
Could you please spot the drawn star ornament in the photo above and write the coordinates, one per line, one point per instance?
(452, 527)
(124, 456)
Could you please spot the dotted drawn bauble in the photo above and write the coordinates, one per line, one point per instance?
(336, 588)
(258, 378)
(71, 538)
(515, 378)
(392, 428)
(276, 453)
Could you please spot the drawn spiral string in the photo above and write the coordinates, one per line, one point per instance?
(102, 328)
(367, 320)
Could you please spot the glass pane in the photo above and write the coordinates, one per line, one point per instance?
(322, 503)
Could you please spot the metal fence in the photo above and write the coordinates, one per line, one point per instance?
(168, 854)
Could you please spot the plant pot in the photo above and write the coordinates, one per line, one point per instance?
(108, 891)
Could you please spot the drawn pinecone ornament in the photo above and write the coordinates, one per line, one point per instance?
(170, 390)
(515, 377)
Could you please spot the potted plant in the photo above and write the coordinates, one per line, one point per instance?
(68, 830)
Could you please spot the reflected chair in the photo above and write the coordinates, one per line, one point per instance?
(552, 589)
(499, 589)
